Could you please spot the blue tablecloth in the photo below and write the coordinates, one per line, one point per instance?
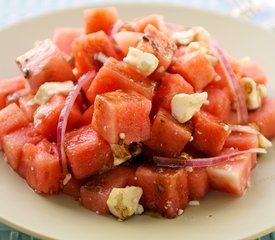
(14, 10)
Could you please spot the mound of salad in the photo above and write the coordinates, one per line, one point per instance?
(133, 116)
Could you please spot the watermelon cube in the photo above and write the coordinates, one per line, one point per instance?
(88, 153)
(41, 168)
(94, 194)
(219, 103)
(264, 117)
(9, 86)
(171, 84)
(86, 48)
(209, 133)
(243, 141)
(13, 142)
(140, 24)
(198, 183)
(72, 187)
(46, 116)
(195, 68)
(157, 43)
(254, 71)
(118, 75)
(231, 176)
(16, 119)
(44, 63)
(86, 117)
(96, 19)
(64, 36)
(165, 190)
(126, 39)
(123, 113)
(168, 137)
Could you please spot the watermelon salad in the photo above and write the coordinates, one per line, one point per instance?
(135, 116)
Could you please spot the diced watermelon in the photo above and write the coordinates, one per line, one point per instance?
(86, 48)
(96, 19)
(198, 183)
(222, 82)
(95, 193)
(219, 103)
(47, 115)
(264, 117)
(88, 153)
(171, 84)
(122, 112)
(231, 176)
(243, 141)
(72, 187)
(13, 142)
(209, 134)
(64, 36)
(9, 86)
(195, 68)
(157, 43)
(40, 166)
(126, 39)
(168, 137)
(165, 190)
(28, 106)
(139, 24)
(118, 75)
(16, 119)
(44, 63)
(86, 117)
(252, 70)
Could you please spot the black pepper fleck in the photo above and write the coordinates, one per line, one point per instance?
(26, 72)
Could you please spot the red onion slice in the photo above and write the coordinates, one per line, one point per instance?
(100, 57)
(63, 118)
(244, 129)
(242, 113)
(117, 25)
(202, 162)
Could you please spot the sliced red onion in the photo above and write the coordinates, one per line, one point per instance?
(202, 162)
(117, 25)
(100, 57)
(63, 118)
(242, 112)
(244, 129)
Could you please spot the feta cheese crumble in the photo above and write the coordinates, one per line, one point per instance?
(144, 62)
(184, 106)
(124, 202)
(48, 89)
(254, 93)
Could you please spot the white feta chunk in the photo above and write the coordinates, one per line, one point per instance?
(188, 36)
(184, 37)
(48, 89)
(253, 93)
(200, 46)
(201, 34)
(124, 152)
(184, 106)
(264, 142)
(144, 62)
(124, 202)
(121, 153)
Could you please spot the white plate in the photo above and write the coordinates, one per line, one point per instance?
(219, 216)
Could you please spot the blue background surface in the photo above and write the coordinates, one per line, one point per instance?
(12, 11)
